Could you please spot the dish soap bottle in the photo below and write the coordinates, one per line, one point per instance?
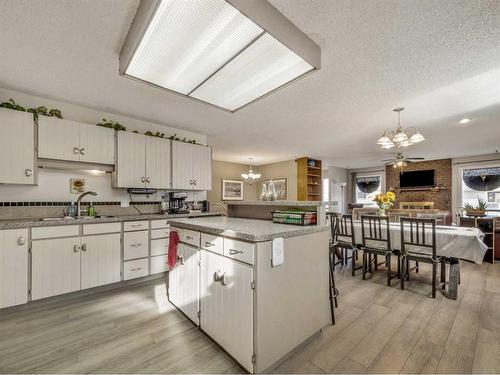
(91, 211)
(72, 209)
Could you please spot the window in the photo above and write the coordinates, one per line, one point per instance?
(326, 190)
(482, 183)
(367, 187)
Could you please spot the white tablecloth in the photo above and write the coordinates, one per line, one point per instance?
(457, 242)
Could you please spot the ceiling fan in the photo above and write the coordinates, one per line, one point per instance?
(400, 160)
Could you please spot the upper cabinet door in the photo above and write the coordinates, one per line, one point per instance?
(58, 139)
(202, 168)
(182, 165)
(97, 144)
(17, 147)
(130, 160)
(158, 163)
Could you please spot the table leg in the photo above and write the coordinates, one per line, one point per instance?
(454, 276)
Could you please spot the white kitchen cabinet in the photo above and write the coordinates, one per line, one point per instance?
(74, 141)
(191, 166)
(184, 282)
(142, 161)
(211, 302)
(17, 147)
(157, 163)
(13, 267)
(55, 267)
(100, 260)
(135, 245)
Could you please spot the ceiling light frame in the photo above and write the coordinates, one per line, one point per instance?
(260, 12)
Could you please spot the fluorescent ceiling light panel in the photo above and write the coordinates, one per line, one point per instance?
(188, 40)
(210, 51)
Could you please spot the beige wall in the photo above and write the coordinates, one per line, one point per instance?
(284, 169)
(230, 171)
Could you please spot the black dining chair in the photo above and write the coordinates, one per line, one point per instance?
(346, 241)
(376, 237)
(332, 254)
(338, 257)
(418, 243)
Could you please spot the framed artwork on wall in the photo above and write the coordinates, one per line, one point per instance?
(232, 190)
(280, 187)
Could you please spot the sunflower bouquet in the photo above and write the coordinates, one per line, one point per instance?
(385, 201)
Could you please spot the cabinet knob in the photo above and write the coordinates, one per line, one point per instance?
(190, 182)
(180, 259)
(143, 179)
(76, 150)
(76, 248)
(148, 179)
(21, 241)
(234, 252)
(82, 151)
(194, 182)
(220, 277)
(29, 172)
(84, 247)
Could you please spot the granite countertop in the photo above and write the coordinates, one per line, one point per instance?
(245, 229)
(31, 222)
(279, 203)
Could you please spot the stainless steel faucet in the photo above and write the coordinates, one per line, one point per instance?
(79, 200)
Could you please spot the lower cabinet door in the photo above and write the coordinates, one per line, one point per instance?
(174, 280)
(190, 282)
(237, 327)
(211, 295)
(55, 267)
(100, 260)
(158, 264)
(13, 267)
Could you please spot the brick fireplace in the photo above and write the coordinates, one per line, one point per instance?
(442, 174)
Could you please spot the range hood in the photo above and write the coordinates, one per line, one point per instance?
(224, 53)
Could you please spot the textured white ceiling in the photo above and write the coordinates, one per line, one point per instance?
(439, 59)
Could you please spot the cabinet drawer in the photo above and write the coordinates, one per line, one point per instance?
(160, 233)
(159, 247)
(135, 245)
(57, 231)
(135, 225)
(239, 250)
(159, 264)
(135, 268)
(156, 224)
(102, 228)
(212, 243)
(190, 237)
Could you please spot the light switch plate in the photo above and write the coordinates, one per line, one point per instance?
(278, 253)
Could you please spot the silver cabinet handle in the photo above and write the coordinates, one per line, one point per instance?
(21, 241)
(143, 179)
(136, 225)
(180, 259)
(84, 247)
(136, 244)
(82, 151)
(135, 269)
(209, 244)
(76, 248)
(76, 150)
(188, 237)
(234, 252)
(220, 277)
(29, 172)
(148, 179)
(194, 182)
(190, 182)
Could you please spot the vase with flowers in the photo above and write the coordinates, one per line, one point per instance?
(384, 201)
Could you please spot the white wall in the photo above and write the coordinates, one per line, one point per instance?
(338, 187)
(53, 185)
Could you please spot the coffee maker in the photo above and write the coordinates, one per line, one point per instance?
(177, 203)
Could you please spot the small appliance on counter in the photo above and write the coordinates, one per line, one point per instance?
(177, 203)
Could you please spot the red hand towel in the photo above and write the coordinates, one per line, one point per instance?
(172, 249)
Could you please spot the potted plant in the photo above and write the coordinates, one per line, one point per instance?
(472, 210)
(384, 201)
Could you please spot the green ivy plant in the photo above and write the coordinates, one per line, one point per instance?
(11, 104)
(112, 125)
(44, 111)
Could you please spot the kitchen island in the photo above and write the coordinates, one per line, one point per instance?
(257, 288)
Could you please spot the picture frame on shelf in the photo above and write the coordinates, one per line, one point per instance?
(232, 190)
(280, 185)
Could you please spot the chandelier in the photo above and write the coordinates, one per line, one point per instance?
(250, 177)
(401, 137)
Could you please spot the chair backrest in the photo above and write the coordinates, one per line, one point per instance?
(332, 220)
(418, 235)
(344, 229)
(375, 231)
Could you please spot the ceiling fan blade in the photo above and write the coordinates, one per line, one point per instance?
(389, 163)
(415, 158)
(387, 159)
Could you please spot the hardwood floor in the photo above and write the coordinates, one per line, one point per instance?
(379, 330)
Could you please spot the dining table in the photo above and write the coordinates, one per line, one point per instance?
(452, 243)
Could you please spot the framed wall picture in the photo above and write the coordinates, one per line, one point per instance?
(280, 186)
(77, 185)
(232, 190)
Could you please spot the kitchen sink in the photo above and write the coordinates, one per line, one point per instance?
(73, 218)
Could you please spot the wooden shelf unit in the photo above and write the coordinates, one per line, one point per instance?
(309, 179)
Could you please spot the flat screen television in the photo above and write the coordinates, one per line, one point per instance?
(416, 179)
